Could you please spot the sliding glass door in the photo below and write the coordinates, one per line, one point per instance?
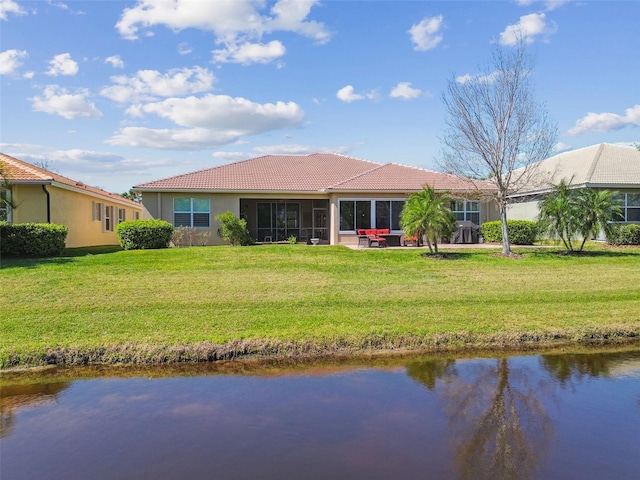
(278, 221)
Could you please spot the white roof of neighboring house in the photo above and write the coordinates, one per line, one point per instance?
(602, 165)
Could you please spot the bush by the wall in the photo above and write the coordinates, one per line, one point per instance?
(628, 234)
(144, 234)
(234, 229)
(521, 232)
(32, 239)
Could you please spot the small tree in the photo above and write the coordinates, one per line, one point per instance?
(568, 213)
(426, 214)
(494, 128)
(233, 229)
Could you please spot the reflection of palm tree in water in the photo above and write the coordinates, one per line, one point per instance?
(15, 397)
(498, 422)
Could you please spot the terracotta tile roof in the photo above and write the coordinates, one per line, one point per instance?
(19, 172)
(308, 173)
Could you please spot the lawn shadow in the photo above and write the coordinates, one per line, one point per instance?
(609, 252)
(66, 256)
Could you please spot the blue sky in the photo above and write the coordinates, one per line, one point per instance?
(116, 93)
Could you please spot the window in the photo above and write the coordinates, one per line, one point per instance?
(358, 214)
(122, 215)
(191, 212)
(466, 210)
(630, 203)
(5, 205)
(108, 219)
(136, 215)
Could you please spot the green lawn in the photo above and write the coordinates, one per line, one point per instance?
(208, 302)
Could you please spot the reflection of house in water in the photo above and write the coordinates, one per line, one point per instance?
(15, 397)
(574, 367)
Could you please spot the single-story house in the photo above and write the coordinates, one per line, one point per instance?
(602, 166)
(40, 196)
(324, 196)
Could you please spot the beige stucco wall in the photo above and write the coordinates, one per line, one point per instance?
(73, 209)
(160, 205)
(523, 210)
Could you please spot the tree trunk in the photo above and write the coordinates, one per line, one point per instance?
(506, 245)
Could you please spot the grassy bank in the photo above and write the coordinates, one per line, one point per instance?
(220, 302)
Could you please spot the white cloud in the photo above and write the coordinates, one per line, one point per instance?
(549, 4)
(230, 156)
(466, 78)
(62, 64)
(426, 34)
(10, 61)
(249, 53)
(115, 61)
(29, 75)
(238, 24)
(561, 147)
(151, 84)
(296, 149)
(9, 6)
(59, 101)
(208, 121)
(405, 91)
(528, 28)
(605, 122)
(184, 48)
(347, 94)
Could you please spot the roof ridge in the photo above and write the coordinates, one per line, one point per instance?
(377, 167)
(32, 169)
(594, 163)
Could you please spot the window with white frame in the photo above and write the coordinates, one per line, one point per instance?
(191, 212)
(136, 215)
(122, 215)
(358, 214)
(466, 210)
(5, 205)
(630, 203)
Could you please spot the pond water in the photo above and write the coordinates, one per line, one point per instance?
(540, 416)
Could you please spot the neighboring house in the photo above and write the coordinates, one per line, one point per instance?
(602, 166)
(41, 196)
(325, 196)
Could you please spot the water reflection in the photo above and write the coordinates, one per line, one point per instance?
(426, 417)
(498, 424)
(15, 397)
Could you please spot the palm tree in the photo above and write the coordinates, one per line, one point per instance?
(567, 213)
(426, 214)
(557, 214)
(597, 209)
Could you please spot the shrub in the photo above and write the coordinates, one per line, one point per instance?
(190, 236)
(32, 239)
(233, 229)
(628, 234)
(144, 234)
(521, 232)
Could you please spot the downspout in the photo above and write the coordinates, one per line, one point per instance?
(44, 189)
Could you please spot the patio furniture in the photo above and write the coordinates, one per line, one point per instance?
(371, 237)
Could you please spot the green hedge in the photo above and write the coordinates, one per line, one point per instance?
(144, 234)
(628, 234)
(521, 232)
(32, 239)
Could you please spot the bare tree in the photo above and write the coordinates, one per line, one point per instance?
(495, 130)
